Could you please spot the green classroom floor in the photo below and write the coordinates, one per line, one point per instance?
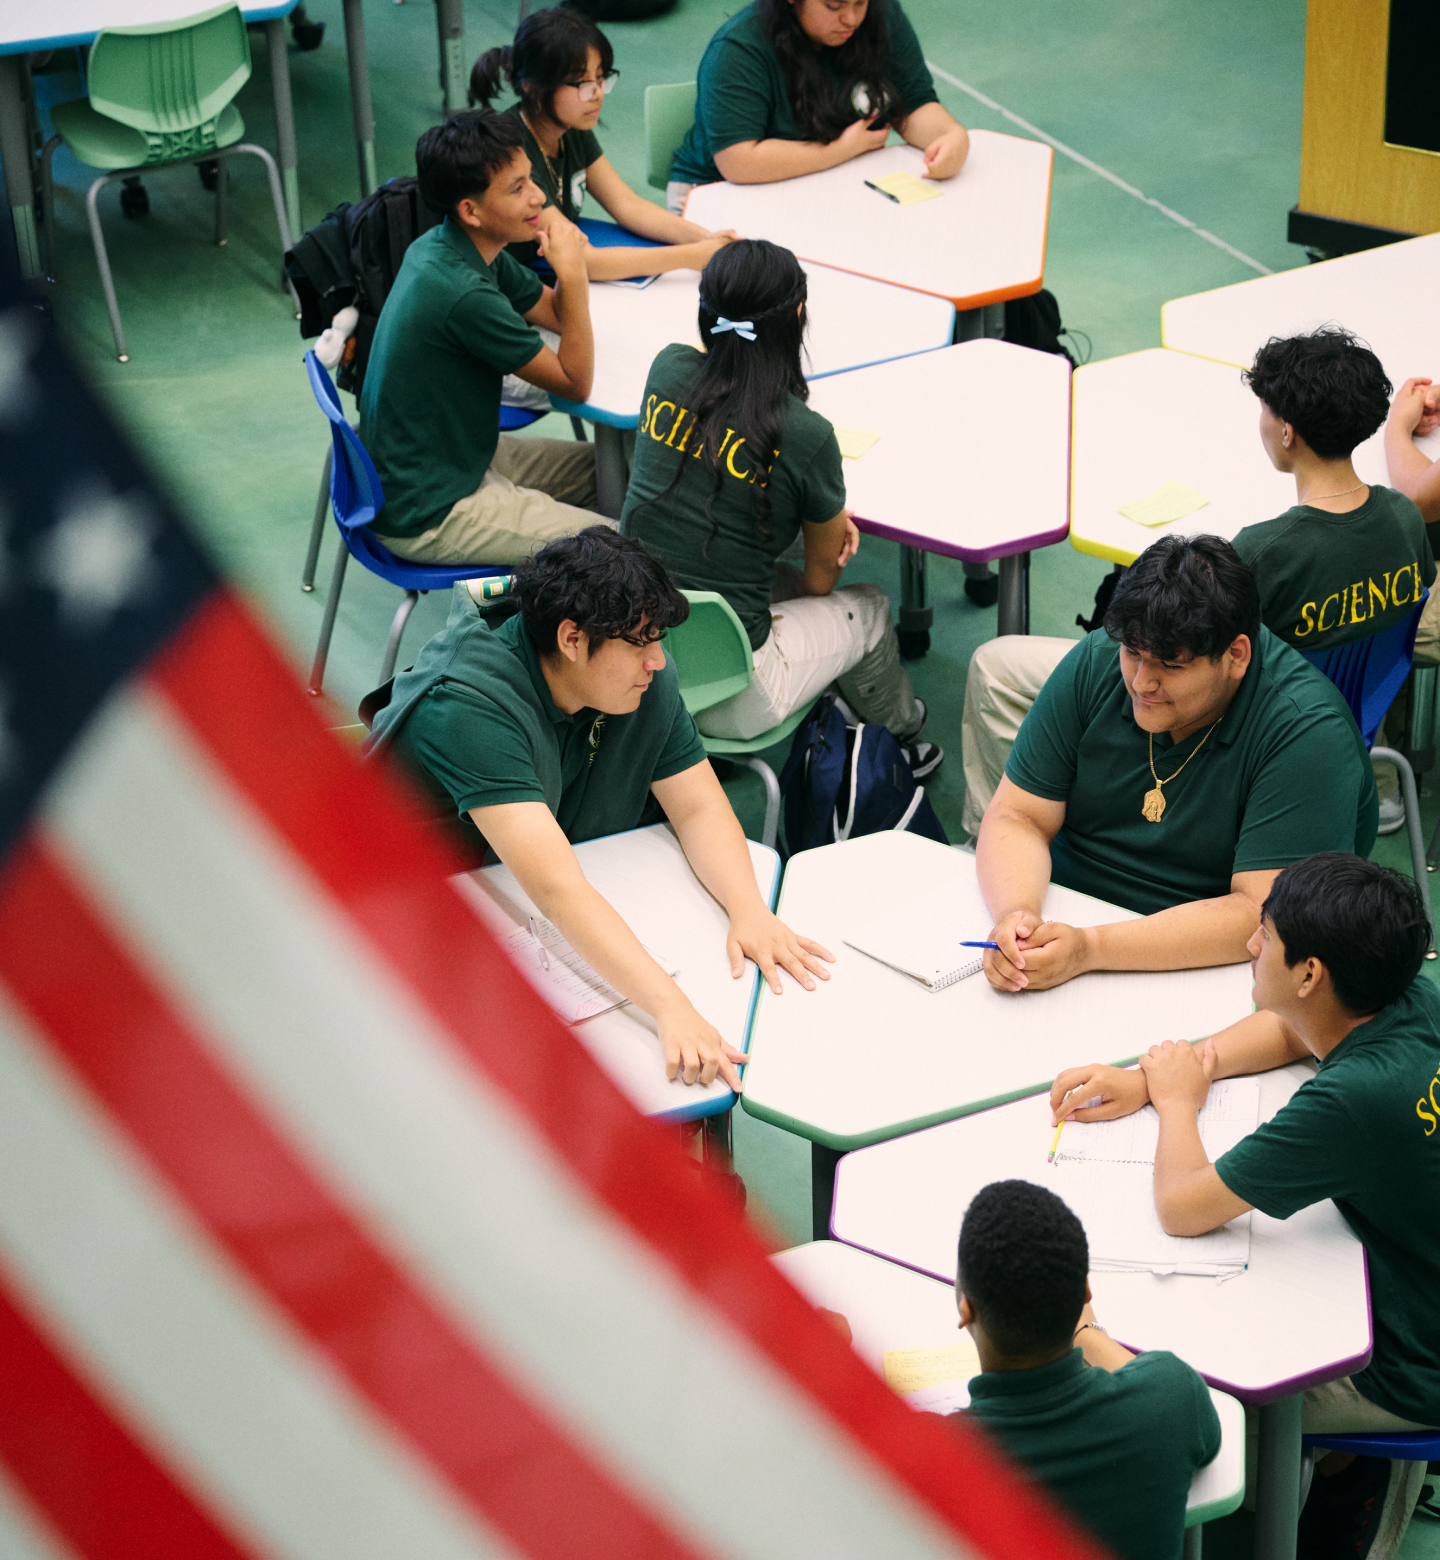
(1196, 107)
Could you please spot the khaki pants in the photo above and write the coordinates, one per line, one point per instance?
(1006, 676)
(535, 491)
(1427, 635)
(676, 194)
(845, 637)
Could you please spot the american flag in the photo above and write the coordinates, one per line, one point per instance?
(320, 1237)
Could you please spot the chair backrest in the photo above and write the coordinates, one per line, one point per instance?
(711, 651)
(170, 80)
(1370, 672)
(355, 493)
(669, 113)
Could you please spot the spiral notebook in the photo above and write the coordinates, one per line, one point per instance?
(923, 940)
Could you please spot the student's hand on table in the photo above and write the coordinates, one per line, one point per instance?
(1120, 1090)
(1037, 954)
(1411, 411)
(1005, 967)
(945, 154)
(704, 248)
(851, 545)
(694, 1049)
(771, 943)
(1178, 1074)
(859, 137)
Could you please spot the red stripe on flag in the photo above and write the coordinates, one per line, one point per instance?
(94, 1482)
(357, 831)
(293, 1238)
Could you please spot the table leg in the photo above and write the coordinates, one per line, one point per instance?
(1014, 594)
(450, 22)
(981, 586)
(822, 1189)
(987, 320)
(287, 156)
(360, 109)
(718, 1144)
(612, 471)
(16, 161)
(1277, 1494)
(915, 616)
(1194, 1542)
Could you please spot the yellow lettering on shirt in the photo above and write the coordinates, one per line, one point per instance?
(675, 428)
(1323, 605)
(1307, 617)
(655, 432)
(1396, 600)
(1356, 592)
(688, 431)
(730, 460)
(1425, 1115)
(1382, 591)
(649, 413)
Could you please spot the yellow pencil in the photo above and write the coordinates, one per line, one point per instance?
(1055, 1142)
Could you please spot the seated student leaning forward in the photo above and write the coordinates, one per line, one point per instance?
(561, 726)
(730, 465)
(461, 315)
(1115, 1437)
(1337, 962)
(1173, 763)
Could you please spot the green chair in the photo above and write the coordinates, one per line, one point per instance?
(669, 113)
(713, 660)
(160, 95)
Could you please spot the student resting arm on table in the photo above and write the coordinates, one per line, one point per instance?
(559, 727)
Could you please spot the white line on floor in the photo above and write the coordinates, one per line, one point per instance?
(1094, 167)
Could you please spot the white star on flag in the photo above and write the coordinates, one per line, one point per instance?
(97, 557)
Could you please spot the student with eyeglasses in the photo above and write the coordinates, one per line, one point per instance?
(561, 65)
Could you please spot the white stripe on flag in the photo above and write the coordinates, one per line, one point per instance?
(24, 1533)
(583, 1314)
(186, 1350)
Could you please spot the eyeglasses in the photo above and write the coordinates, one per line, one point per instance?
(588, 91)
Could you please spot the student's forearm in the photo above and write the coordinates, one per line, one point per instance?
(1012, 861)
(637, 215)
(819, 579)
(715, 846)
(1256, 1044)
(577, 341)
(1412, 473)
(1181, 1164)
(609, 265)
(767, 162)
(1184, 937)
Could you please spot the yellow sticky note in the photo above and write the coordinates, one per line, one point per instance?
(910, 1370)
(1172, 500)
(904, 188)
(854, 442)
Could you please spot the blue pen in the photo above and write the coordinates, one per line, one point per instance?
(995, 946)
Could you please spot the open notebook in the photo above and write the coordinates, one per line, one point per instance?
(1105, 1171)
(923, 940)
(561, 976)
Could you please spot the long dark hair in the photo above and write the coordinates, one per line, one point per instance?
(822, 83)
(550, 46)
(744, 386)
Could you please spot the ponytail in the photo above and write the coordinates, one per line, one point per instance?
(486, 75)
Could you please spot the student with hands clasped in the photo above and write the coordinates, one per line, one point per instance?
(565, 724)
(1336, 962)
(787, 87)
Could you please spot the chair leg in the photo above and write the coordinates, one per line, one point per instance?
(772, 799)
(317, 525)
(1194, 1542)
(277, 198)
(222, 181)
(1418, 865)
(102, 261)
(397, 630)
(47, 208)
(579, 426)
(327, 623)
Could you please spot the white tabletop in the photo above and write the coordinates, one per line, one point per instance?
(872, 1054)
(890, 1307)
(852, 319)
(955, 471)
(1386, 296)
(982, 241)
(1150, 417)
(27, 25)
(645, 876)
(1298, 1315)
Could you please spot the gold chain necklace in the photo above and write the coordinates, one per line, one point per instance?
(549, 166)
(1321, 499)
(1154, 808)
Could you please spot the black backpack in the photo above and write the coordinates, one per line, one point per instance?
(319, 270)
(1035, 322)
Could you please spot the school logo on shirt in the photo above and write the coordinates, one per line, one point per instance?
(1430, 1114)
(596, 726)
(741, 467)
(1359, 601)
(577, 191)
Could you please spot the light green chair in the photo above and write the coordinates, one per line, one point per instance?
(160, 95)
(669, 113)
(713, 661)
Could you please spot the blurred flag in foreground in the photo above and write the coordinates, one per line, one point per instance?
(320, 1238)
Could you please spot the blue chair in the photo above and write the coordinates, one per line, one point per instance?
(356, 499)
(1404, 1446)
(1370, 673)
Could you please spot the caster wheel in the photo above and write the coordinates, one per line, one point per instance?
(209, 174)
(308, 35)
(134, 200)
(984, 593)
(913, 645)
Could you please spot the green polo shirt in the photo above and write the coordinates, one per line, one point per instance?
(474, 722)
(1365, 1130)
(450, 331)
(1327, 579)
(1284, 775)
(562, 177)
(740, 91)
(724, 550)
(1117, 1448)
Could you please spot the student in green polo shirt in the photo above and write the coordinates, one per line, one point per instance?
(562, 66)
(1173, 763)
(461, 315)
(787, 87)
(730, 466)
(566, 724)
(1337, 962)
(1115, 1437)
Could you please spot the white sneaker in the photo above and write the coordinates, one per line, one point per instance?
(1392, 815)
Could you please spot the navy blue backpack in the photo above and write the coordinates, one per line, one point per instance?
(841, 781)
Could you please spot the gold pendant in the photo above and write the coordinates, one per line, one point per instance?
(1154, 808)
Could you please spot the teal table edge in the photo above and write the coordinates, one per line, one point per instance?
(252, 13)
